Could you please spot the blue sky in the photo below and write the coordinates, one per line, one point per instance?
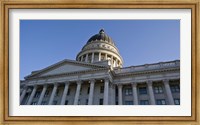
(45, 42)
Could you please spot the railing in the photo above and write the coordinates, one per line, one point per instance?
(146, 67)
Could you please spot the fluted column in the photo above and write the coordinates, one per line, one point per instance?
(119, 94)
(99, 56)
(91, 94)
(135, 95)
(23, 94)
(106, 89)
(64, 93)
(78, 88)
(151, 94)
(92, 57)
(168, 91)
(86, 59)
(53, 94)
(32, 95)
(42, 94)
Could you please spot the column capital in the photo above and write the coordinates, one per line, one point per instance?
(119, 85)
(106, 79)
(134, 84)
(67, 82)
(55, 84)
(78, 82)
(165, 80)
(92, 80)
(150, 82)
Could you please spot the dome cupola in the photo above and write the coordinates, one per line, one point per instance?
(100, 47)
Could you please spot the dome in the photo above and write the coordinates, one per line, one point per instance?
(101, 36)
(100, 47)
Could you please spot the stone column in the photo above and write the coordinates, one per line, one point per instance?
(23, 94)
(32, 95)
(106, 56)
(92, 57)
(106, 88)
(86, 59)
(53, 94)
(64, 93)
(91, 94)
(168, 91)
(78, 88)
(42, 94)
(119, 94)
(151, 94)
(81, 58)
(135, 95)
(112, 61)
(99, 56)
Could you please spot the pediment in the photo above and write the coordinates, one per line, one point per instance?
(65, 66)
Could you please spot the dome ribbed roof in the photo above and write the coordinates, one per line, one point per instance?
(101, 36)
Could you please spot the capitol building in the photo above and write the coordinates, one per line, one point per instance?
(97, 77)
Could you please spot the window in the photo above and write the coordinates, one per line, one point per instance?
(33, 103)
(128, 102)
(88, 90)
(54, 102)
(144, 102)
(175, 88)
(128, 91)
(177, 101)
(160, 102)
(43, 103)
(46, 93)
(57, 92)
(100, 101)
(101, 89)
(143, 90)
(158, 89)
(86, 101)
(37, 94)
(79, 101)
(68, 92)
(66, 102)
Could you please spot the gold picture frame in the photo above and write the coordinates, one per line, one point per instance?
(104, 4)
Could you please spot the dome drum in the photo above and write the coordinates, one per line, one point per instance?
(100, 47)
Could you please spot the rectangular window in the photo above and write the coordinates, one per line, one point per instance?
(43, 103)
(101, 89)
(142, 90)
(37, 94)
(128, 102)
(160, 102)
(79, 101)
(158, 89)
(46, 93)
(66, 102)
(34, 103)
(177, 101)
(54, 102)
(128, 91)
(86, 101)
(144, 102)
(57, 92)
(100, 101)
(68, 92)
(175, 88)
(88, 90)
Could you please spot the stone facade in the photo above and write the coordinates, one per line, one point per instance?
(97, 78)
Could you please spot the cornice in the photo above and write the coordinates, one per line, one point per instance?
(61, 63)
(68, 74)
(145, 72)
